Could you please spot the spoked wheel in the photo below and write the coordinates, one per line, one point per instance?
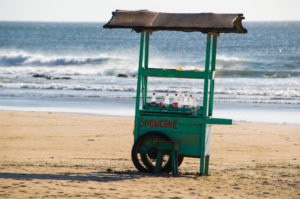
(144, 153)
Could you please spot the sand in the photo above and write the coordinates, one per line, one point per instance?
(57, 155)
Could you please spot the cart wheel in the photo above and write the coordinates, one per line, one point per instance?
(145, 161)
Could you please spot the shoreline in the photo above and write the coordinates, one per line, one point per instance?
(238, 112)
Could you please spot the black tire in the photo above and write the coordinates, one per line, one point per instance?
(145, 162)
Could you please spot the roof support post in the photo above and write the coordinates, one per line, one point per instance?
(138, 88)
(212, 81)
(145, 78)
(206, 82)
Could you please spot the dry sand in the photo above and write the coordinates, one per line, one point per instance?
(56, 155)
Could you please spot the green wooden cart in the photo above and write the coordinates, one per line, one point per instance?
(163, 136)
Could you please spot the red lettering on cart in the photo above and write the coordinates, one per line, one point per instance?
(165, 124)
(158, 123)
(169, 124)
(141, 122)
(174, 124)
(161, 121)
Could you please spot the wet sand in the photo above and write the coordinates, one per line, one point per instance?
(57, 155)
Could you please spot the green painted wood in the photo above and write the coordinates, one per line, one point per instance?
(146, 61)
(158, 164)
(174, 163)
(212, 81)
(187, 137)
(171, 110)
(215, 121)
(138, 88)
(206, 74)
(144, 95)
(206, 164)
(200, 121)
(202, 149)
(169, 73)
(191, 119)
(146, 50)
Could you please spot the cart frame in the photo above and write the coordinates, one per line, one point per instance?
(207, 75)
(186, 130)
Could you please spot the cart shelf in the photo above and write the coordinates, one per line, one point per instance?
(172, 73)
(187, 112)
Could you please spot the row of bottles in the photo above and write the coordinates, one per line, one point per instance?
(178, 102)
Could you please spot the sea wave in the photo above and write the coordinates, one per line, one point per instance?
(21, 58)
(257, 73)
(22, 62)
(65, 86)
(282, 93)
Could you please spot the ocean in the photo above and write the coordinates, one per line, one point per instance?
(76, 67)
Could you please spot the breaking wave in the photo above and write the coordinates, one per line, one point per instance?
(286, 92)
(21, 62)
(28, 59)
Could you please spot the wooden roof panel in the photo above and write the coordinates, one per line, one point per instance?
(144, 20)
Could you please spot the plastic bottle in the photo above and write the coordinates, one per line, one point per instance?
(175, 101)
(153, 100)
(180, 101)
(161, 104)
(167, 101)
(191, 102)
(185, 102)
(195, 103)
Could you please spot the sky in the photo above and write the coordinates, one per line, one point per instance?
(100, 10)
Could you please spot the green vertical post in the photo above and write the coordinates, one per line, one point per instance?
(138, 88)
(144, 78)
(146, 50)
(202, 149)
(212, 81)
(205, 95)
(206, 164)
(158, 163)
(207, 61)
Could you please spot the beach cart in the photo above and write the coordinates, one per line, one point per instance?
(164, 135)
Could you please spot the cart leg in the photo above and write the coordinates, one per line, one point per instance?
(174, 163)
(202, 161)
(206, 164)
(158, 162)
(202, 150)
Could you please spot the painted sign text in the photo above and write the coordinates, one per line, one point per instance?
(158, 123)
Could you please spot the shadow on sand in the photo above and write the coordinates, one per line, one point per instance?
(89, 176)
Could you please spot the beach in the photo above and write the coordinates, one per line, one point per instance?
(63, 155)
